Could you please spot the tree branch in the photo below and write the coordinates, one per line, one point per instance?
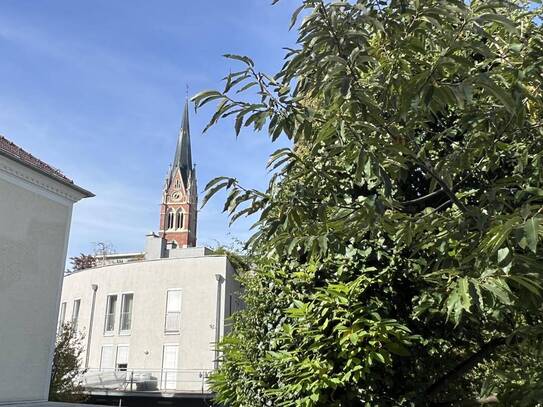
(443, 382)
(422, 198)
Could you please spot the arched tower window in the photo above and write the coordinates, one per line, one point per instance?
(177, 183)
(179, 220)
(170, 219)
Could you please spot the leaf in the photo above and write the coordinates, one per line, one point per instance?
(497, 235)
(215, 186)
(295, 16)
(463, 288)
(499, 19)
(360, 165)
(397, 348)
(499, 93)
(242, 58)
(202, 98)
(238, 124)
(530, 284)
(499, 290)
(503, 254)
(531, 228)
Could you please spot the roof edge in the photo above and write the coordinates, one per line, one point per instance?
(65, 181)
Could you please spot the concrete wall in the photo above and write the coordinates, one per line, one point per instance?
(149, 281)
(35, 214)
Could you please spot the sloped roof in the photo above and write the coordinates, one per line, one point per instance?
(13, 151)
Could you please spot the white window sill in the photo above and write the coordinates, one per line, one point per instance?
(172, 332)
(109, 333)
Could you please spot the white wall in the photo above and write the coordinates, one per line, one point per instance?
(149, 281)
(35, 218)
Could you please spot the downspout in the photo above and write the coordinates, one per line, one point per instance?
(220, 280)
(87, 353)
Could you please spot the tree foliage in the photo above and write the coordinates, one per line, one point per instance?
(398, 250)
(82, 262)
(66, 372)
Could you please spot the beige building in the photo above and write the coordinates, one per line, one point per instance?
(151, 319)
(35, 214)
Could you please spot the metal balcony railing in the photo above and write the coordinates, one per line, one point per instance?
(146, 380)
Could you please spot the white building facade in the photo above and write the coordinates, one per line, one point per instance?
(35, 215)
(151, 325)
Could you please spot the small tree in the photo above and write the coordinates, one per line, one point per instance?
(81, 262)
(65, 375)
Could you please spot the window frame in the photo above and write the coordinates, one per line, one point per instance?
(114, 350)
(165, 370)
(127, 331)
(178, 331)
(170, 219)
(61, 315)
(112, 331)
(180, 219)
(75, 321)
(121, 345)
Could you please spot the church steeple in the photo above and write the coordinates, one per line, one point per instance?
(183, 153)
(178, 211)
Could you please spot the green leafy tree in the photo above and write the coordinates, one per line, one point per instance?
(236, 254)
(397, 253)
(66, 372)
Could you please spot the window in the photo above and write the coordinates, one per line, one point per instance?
(114, 358)
(75, 314)
(173, 311)
(122, 358)
(126, 313)
(170, 219)
(61, 315)
(111, 306)
(170, 355)
(107, 358)
(177, 183)
(179, 221)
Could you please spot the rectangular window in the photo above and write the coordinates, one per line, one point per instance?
(126, 313)
(122, 358)
(75, 314)
(61, 316)
(173, 311)
(111, 307)
(170, 355)
(107, 358)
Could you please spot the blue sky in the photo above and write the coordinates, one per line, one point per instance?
(96, 88)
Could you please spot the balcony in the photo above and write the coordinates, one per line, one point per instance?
(160, 382)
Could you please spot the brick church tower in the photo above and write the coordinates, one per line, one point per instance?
(178, 211)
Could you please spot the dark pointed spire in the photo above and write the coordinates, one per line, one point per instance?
(183, 153)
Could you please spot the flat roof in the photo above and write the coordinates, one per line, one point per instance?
(116, 255)
(16, 153)
(207, 256)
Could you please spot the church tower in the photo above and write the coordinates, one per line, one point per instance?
(178, 211)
